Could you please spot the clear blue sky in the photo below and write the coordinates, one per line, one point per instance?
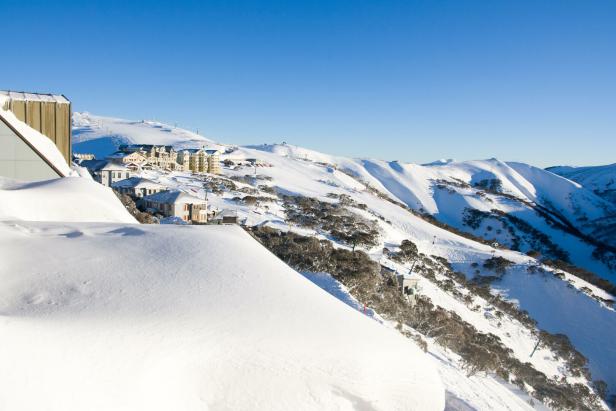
(531, 81)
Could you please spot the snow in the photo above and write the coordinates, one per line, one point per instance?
(291, 172)
(63, 199)
(18, 95)
(215, 322)
(110, 314)
(40, 142)
(600, 179)
(101, 136)
(137, 182)
(174, 197)
(295, 170)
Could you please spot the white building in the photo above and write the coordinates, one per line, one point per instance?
(106, 172)
(408, 284)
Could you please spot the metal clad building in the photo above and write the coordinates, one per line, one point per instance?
(49, 114)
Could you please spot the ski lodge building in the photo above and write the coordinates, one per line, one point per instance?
(35, 135)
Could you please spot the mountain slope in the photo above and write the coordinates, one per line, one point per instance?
(117, 316)
(101, 136)
(395, 198)
(599, 179)
(558, 218)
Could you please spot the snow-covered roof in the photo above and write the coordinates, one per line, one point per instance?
(137, 182)
(226, 213)
(23, 96)
(41, 144)
(122, 154)
(174, 197)
(98, 165)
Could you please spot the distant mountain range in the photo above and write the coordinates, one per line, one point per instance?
(600, 179)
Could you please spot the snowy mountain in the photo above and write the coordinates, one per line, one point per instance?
(519, 206)
(453, 212)
(115, 315)
(599, 179)
(101, 136)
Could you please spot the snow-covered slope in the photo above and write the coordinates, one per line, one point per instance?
(554, 303)
(102, 135)
(214, 322)
(100, 313)
(63, 199)
(445, 190)
(600, 179)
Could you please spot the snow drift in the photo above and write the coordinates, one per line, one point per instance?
(111, 316)
(62, 199)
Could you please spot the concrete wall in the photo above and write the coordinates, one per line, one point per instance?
(19, 161)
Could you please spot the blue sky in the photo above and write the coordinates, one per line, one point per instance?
(531, 81)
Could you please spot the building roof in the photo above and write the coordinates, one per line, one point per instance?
(226, 213)
(98, 165)
(23, 96)
(174, 197)
(136, 182)
(191, 150)
(122, 154)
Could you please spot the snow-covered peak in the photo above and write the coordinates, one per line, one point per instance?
(102, 135)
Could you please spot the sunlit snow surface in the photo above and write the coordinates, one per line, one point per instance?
(104, 316)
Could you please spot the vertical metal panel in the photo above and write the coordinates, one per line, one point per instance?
(48, 120)
(33, 114)
(51, 117)
(19, 109)
(63, 130)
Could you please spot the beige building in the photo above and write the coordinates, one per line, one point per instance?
(135, 158)
(178, 204)
(213, 162)
(49, 114)
(199, 160)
